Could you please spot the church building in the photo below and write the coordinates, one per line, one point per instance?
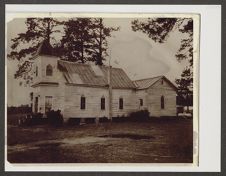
(91, 91)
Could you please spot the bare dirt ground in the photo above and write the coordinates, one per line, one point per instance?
(126, 142)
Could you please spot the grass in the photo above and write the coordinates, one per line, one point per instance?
(168, 141)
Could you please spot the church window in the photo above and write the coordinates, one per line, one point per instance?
(49, 70)
(83, 102)
(162, 102)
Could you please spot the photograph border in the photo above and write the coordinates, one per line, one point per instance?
(2, 44)
(196, 43)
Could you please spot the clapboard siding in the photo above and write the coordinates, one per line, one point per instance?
(142, 94)
(56, 91)
(154, 99)
(93, 101)
(41, 62)
(129, 101)
(67, 97)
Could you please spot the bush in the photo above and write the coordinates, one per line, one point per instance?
(73, 121)
(37, 115)
(32, 119)
(120, 119)
(90, 120)
(103, 120)
(139, 116)
(23, 109)
(55, 118)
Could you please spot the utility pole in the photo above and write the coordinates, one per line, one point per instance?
(110, 89)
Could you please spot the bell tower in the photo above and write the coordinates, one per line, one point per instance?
(45, 77)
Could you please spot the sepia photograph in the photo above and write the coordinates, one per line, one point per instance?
(110, 88)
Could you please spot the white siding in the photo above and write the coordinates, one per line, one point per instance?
(56, 91)
(67, 97)
(142, 94)
(93, 101)
(41, 62)
(154, 99)
(130, 102)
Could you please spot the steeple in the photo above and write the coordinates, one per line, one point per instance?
(45, 48)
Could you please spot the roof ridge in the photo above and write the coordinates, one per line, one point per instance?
(86, 64)
(148, 78)
(119, 76)
(61, 60)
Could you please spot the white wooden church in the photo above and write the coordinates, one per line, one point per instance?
(85, 91)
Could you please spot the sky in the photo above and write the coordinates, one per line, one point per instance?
(138, 55)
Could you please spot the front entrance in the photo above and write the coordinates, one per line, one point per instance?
(48, 103)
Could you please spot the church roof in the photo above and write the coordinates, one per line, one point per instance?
(94, 75)
(148, 82)
(45, 48)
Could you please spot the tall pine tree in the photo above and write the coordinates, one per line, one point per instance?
(100, 34)
(77, 40)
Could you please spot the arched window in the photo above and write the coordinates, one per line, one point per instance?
(36, 71)
(49, 70)
(162, 102)
(120, 103)
(141, 102)
(83, 102)
(102, 103)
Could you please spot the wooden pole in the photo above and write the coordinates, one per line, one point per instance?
(110, 89)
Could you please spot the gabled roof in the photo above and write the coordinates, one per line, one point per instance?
(85, 74)
(148, 82)
(45, 48)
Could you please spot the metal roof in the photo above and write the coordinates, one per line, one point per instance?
(148, 82)
(76, 73)
(45, 48)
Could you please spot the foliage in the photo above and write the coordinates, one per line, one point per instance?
(159, 30)
(103, 120)
(25, 45)
(73, 121)
(32, 119)
(55, 118)
(137, 116)
(100, 33)
(142, 115)
(19, 110)
(77, 40)
(85, 39)
(185, 86)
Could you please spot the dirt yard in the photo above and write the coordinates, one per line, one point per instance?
(127, 142)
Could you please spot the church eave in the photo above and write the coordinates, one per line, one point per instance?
(45, 84)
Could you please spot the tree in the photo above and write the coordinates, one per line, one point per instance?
(159, 30)
(25, 45)
(100, 33)
(185, 86)
(77, 40)
(85, 39)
